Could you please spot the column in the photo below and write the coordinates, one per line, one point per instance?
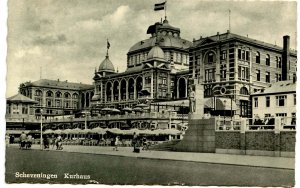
(152, 82)
(127, 90)
(134, 86)
(277, 143)
(119, 97)
(243, 137)
(218, 62)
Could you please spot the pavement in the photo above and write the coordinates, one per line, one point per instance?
(213, 158)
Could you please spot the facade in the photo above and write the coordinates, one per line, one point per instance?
(232, 67)
(157, 70)
(279, 100)
(57, 98)
(19, 106)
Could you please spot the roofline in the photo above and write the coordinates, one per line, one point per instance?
(277, 93)
(240, 38)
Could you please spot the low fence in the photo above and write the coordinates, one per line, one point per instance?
(275, 137)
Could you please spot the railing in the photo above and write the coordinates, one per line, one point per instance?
(228, 124)
(270, 123)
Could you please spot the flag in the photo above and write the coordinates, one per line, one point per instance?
(108, 44)
(159, 6)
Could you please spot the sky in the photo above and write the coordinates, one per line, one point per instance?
(66, 39)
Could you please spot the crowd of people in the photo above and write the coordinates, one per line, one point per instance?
(55, 142)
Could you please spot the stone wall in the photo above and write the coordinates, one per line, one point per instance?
(200, 137)
(264, 142)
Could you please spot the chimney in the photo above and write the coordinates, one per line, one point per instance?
(285, 56)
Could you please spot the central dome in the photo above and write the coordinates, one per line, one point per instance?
(106, 65)
(156, 53)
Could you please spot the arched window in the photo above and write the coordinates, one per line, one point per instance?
(49, 94)
(257, 58)
(38, 93)
(75, 96)
(268, 60)
(67, 95)
(210, 58)
(58, 94)
(244, 91)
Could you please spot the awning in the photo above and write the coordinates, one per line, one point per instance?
(222, 103)
(17, 131)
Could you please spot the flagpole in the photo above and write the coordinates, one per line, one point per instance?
(106, 47)
(166, 10)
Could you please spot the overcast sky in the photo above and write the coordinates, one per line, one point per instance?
(67, 38)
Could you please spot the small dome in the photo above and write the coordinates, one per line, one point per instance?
(106, 65)
(156, 52)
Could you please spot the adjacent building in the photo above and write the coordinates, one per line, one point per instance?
(278, 100)
(57, 98)
(232, 67)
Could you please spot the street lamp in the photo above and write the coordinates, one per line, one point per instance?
(85, 118)
(224, 112)
(41, 141)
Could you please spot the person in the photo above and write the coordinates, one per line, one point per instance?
(53, 141)
(59, 143)
(46, 142)
(116, 143)
(11, 139)
(7, 139)
(23, 139)
(134, 142)
(145, 144)
(192, 100)
(29, 142)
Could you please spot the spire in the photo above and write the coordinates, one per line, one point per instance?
(108, 46)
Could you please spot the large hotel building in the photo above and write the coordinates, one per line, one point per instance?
(162, 68)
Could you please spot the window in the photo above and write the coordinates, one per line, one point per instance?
(223, 71)
(49, 94)
(239, 53)
(223, 55)
(38, 93)
(267, 101)
(268, 77)
(268, 60)
(243, 55)
(58, 103)
(280, 100)
(257, 58)
(209, 74)
(278, 62)
(67, 95)
(58, 94)
(267, 115)
(255, 102)
(295, 99)
(247, 56)
(210, 57)
(164, 81)
(258, 75)
(281, 114)
(244, 108)
(244, 91)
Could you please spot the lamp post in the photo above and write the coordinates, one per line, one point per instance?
(85, 118)
(224, 112)
(41, 141)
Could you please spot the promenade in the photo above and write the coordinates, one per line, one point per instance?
(213, 158)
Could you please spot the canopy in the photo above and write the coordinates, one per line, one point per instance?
(48, 131)
(106, 109)
(142, 105)
(58, 131)
(66, 131)
(98, 130)
(115, 131)
(17, 131)
(115, 110)
(138, 109)
(127, 109)
(75, 131)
